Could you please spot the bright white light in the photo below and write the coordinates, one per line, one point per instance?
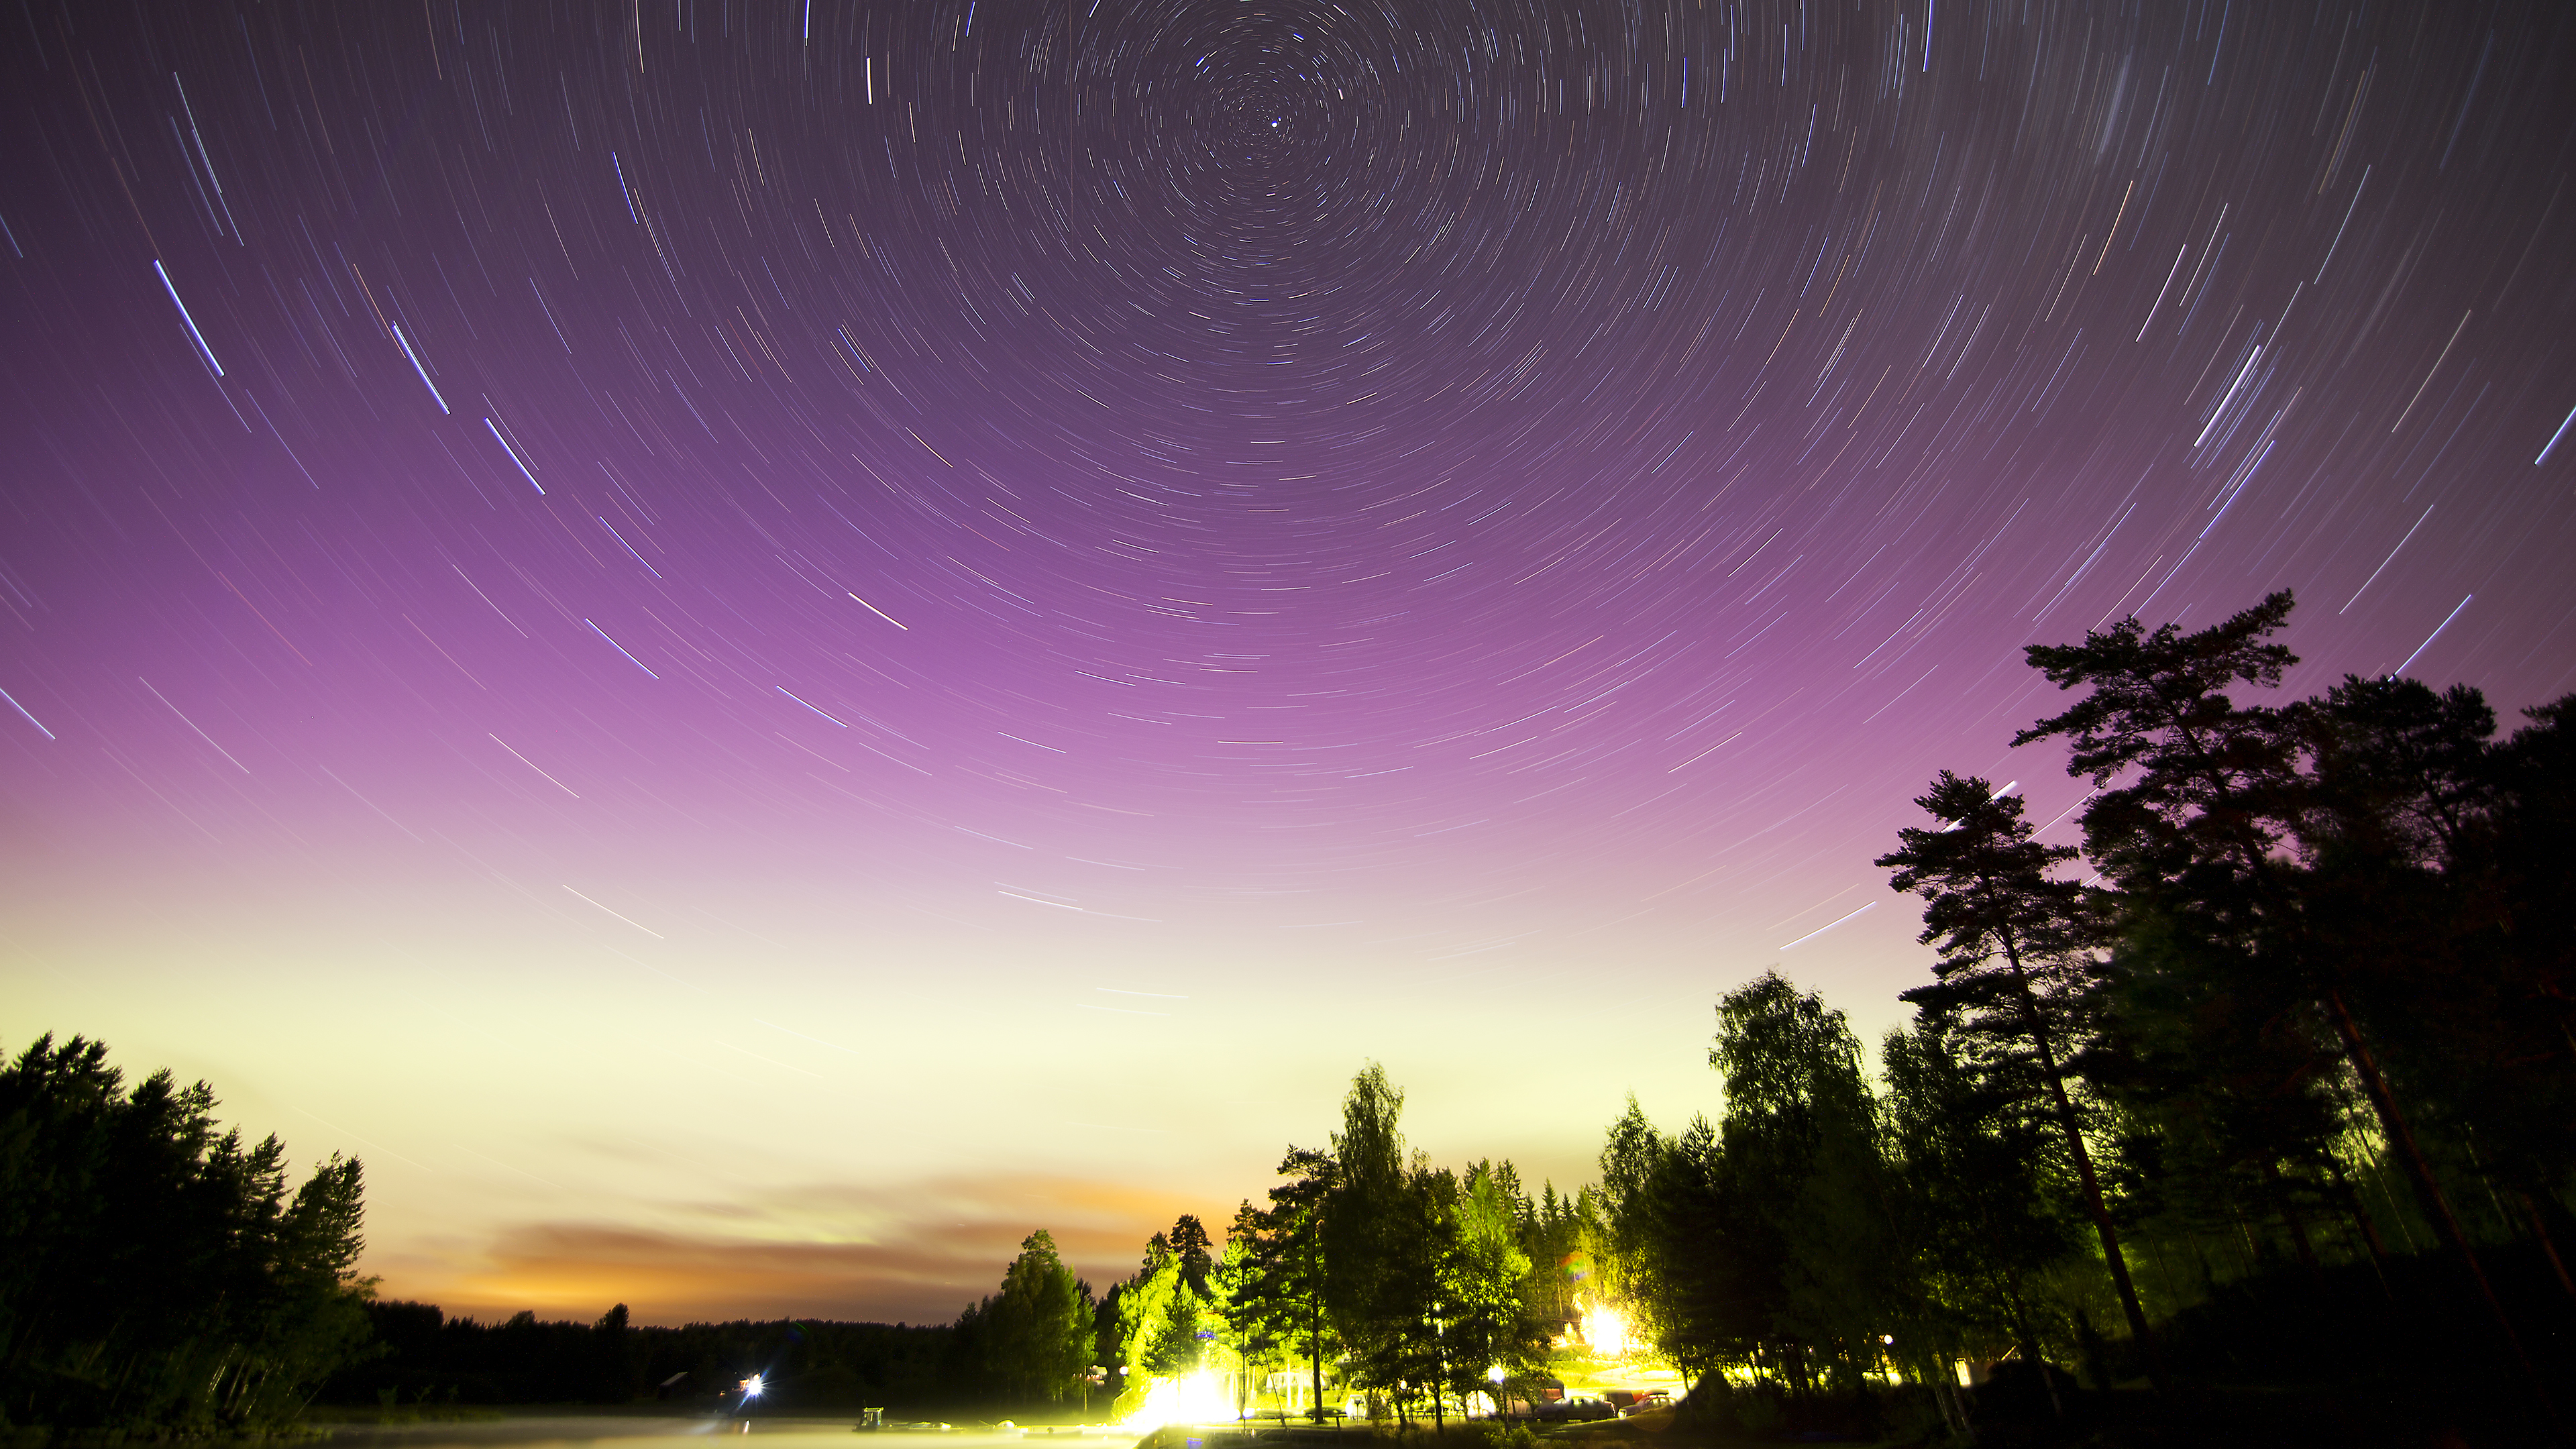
(751, 1387)
(1195, 1399)
(1606, 1329)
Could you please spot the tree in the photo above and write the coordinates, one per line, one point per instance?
(1800, 1132)
(1973, 1200)
(1379, 1282)
(614, 1376)
(1251, 1320)
(2011, 959)
(2192, 839)
(1188, 1241)
(1566, 1240)
(1174, 1343)
(2432, 885)
(1695, 1265)
(159, 1275)
(2524, 950)
(1286, 1264)
(1434, 1270)
(2235, 1098)
(1483, 1277)
(1035, 1334)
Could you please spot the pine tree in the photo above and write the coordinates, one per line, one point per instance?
(1286, 1267)
(2012, 963)
(2193, 839)
(1035, 1334)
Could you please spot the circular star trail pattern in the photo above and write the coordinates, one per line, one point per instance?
(1327, 524)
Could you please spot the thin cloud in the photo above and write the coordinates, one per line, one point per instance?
(916, 1254)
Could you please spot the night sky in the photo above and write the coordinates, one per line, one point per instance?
(756, 648)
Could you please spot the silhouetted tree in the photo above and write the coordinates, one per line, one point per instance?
(2437, 869)
(160, 1275)
(1563, 1235)
(1257, 1330)
(1688, 1254)
(1973, 1202)
(2193, 838)
(2524, 944)
(1800, 1120)
(614, 1371)
(2011, 968)
(1379, 1280)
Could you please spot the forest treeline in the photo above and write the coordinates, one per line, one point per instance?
(427, 1360)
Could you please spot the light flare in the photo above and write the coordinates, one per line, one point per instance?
(1607, 1330)
(1194, 1398)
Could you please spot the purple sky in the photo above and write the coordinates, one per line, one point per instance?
(757, 649)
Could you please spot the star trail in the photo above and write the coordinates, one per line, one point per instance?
(1054, 575)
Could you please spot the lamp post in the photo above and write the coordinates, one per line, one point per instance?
(751, 1388)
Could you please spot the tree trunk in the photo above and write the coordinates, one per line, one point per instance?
(2419, 1172)
(1315, 1354)
(2030, 1349)
(1956, 1407)
(2103, 1227)
(2548, 1245)
(2290, 1218)
(2360, 1217)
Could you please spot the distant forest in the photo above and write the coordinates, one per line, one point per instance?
(428, 1359)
